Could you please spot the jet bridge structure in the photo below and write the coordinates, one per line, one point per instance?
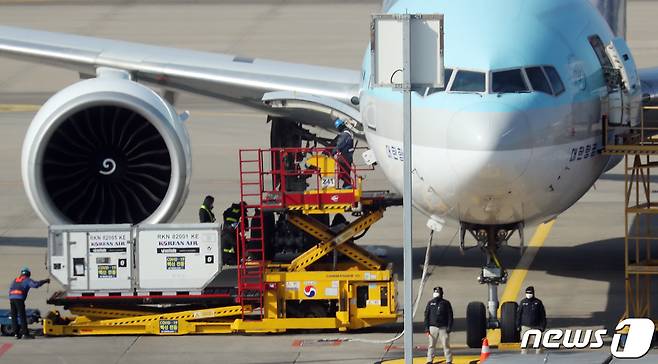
(332, 284)
(638, 146)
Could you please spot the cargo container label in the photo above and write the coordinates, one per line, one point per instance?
(178, 243)
(108, 250)
(107, 271)
(109, 242)
(177, 250)
(175, 263)
(169, 326)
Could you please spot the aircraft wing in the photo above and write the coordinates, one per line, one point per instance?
(309, 94)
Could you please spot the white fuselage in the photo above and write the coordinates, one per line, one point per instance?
(489, 157)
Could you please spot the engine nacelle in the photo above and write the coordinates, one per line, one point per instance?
(106, 150)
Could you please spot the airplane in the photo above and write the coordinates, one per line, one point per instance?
(513, 139)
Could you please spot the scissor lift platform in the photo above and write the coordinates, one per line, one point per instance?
(307, 293)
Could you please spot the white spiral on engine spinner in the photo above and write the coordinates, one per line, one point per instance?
(108, 163)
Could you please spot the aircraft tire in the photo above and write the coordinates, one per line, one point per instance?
(508, 329)
(476, 324)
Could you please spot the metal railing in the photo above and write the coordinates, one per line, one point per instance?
(631, 138)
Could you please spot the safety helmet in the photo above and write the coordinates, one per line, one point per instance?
(25, 271)
(338, 123)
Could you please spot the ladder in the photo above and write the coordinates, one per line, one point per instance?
(251, 243)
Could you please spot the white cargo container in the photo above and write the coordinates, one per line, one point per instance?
(127, 260)
(173, 258)
(91, 258)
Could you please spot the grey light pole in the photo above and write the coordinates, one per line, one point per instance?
(412, 44)
(407, 194)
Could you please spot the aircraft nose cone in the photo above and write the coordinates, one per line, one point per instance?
(489, 145)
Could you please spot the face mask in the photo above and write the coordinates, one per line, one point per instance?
(435, 294)
(529, 295)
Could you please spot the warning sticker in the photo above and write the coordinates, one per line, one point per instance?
(107, 271)
(168, 326)
(294, 285)
(175, 263)
(331, 291)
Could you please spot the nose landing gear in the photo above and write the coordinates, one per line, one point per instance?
(479, 317)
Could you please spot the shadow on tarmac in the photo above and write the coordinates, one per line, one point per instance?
(597, 261)
(23, 241)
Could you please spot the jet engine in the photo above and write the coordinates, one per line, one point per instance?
(106, 150)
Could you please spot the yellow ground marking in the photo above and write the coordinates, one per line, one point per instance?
(19, 108)
(509, 346)
(519, 273)
(23, 1)
(456, 359)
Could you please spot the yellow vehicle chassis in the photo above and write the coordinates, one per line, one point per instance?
(361, 299)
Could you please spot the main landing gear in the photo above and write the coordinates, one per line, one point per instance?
(479, 317)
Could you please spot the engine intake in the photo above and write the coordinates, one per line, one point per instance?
(106, 150)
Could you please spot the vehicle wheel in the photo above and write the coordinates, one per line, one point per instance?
(508, 331)
(6, 330)
(476, 324)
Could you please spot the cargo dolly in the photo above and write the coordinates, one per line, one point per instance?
(332, 284)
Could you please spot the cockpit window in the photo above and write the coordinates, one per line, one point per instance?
(556, 81)
(447, 74)
(510, 81)
(538, 80)
(468, 81)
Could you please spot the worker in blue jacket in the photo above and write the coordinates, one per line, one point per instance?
(17, 294)
(343, 153)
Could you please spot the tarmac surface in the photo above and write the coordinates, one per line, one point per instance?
(577, 271)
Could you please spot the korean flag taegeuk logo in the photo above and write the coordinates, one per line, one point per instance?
(309, 291)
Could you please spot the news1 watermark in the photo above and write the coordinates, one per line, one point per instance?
(634, 344)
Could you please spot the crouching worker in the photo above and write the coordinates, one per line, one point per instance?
(17, 294)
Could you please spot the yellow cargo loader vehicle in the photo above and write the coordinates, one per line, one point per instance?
(289, 195)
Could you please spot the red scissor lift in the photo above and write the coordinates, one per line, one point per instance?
(278, 179)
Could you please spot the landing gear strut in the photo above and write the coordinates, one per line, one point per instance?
(479, 317)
